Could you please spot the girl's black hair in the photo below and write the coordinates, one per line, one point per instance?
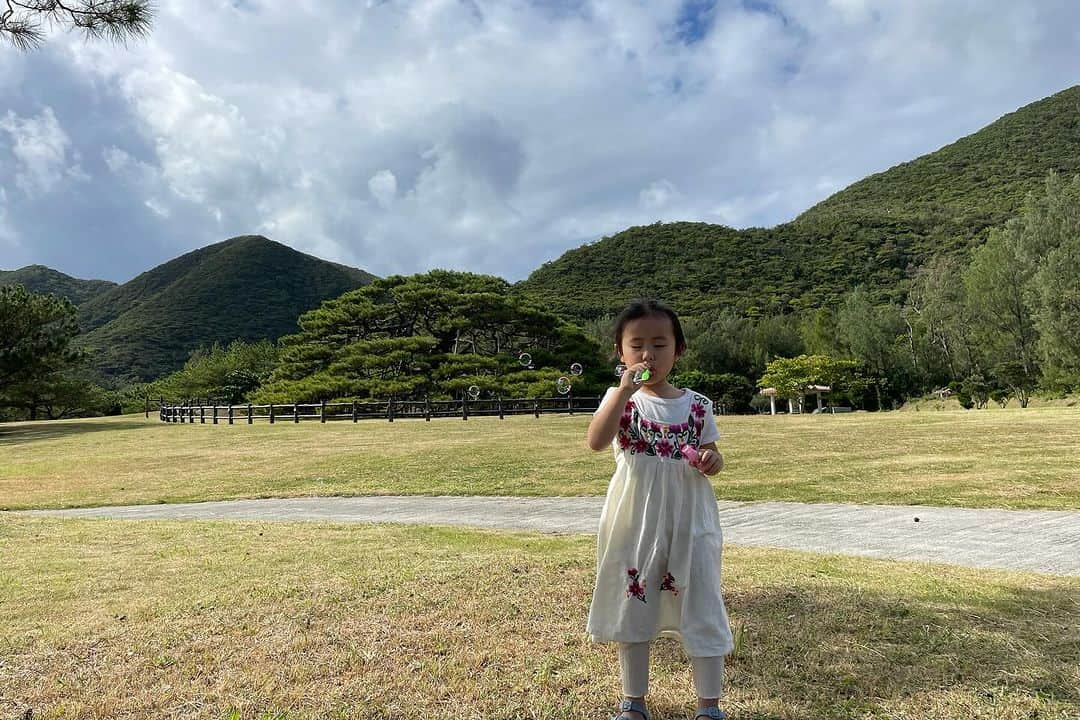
(647, 307)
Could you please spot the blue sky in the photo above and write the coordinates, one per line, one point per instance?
(487, 136)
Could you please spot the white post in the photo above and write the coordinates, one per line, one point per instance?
(772, 404)
(819, 401)
(790, 407)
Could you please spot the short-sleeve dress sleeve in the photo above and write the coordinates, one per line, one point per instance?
(605, 399)
(709, 431)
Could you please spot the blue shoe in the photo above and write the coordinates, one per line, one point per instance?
(633, 705)
(713, 713)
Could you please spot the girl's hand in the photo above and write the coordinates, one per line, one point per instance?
(626, 382)
(710, 462)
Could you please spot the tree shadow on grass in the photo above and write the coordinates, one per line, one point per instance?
(838, 652)
(30, 432)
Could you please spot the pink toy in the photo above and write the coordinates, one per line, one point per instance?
(691, 454)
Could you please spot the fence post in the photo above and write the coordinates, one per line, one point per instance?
(271, 413)
(390, 409)
(295, 412)
(465, 408)
(570, 401)
(427, 408)
(500, 408)
(322, 411)
(161, 407)
(230, 414)
(215, 414)
(249, 413)
(355, 411)
(536, 408)
(202, 414)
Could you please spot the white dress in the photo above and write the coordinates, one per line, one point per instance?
(659, 543)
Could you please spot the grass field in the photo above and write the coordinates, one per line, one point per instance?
(1008, 458)
(291, 621)
(140, 619)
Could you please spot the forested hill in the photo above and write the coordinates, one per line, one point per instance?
(876, 232)
(45, 280)
(247, 287)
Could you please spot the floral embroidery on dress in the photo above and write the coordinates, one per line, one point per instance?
(640, 435)
(668, 583)
(635, 588)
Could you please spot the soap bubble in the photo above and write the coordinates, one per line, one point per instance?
(474, 392)
(525, 359)
(563, 385)
(576, 369)
(621, 369)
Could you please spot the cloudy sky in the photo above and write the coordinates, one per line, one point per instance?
(487, 135)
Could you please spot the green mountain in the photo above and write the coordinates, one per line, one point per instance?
(876, 232)
(246, 288)
(44, 280)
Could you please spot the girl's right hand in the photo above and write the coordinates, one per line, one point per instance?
(626, 382)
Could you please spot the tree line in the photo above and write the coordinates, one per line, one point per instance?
(998, 326)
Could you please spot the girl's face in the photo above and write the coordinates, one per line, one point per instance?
(650, 340)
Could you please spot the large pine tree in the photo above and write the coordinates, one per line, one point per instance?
(432, 335)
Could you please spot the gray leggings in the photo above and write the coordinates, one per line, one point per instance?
(634, 671)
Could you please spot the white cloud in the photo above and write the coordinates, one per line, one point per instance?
(40, 147)
(157, 207)
(657, 194)
(8, 235)
(383, 187)
(493, 136)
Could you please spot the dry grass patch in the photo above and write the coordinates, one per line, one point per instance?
(1005, 458)
(158, 619)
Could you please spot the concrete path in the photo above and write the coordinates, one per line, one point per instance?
(1046, 541)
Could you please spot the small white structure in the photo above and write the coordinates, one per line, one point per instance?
(816, 390)
(771, 394)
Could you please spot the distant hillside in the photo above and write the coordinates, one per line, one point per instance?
(45, 280)
(876, 232)
(247, 287)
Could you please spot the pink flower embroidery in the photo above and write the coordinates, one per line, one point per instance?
(698, 410)
(664, 448)
(624, 422)
(668, 583)
(641, 445)
(624, 440)
(635, 588)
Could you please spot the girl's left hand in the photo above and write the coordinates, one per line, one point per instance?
(711, 462)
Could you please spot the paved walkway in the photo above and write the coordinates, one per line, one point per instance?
(1046, 541)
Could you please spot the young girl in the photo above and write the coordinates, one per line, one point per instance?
(659, 541)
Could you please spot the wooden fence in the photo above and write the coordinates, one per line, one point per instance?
(384, 410)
